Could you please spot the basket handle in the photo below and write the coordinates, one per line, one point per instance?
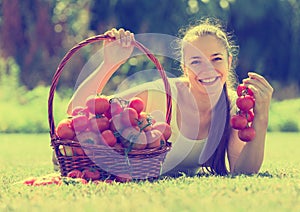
(94, 39)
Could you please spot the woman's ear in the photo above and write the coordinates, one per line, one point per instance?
(229, 61)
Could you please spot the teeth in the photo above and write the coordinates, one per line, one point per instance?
(208, 80)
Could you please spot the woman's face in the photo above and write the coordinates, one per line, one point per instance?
(207, 64)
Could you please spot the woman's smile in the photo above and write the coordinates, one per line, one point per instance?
(208, 81)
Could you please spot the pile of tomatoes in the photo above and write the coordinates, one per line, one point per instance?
(113, 122)
(243, 119)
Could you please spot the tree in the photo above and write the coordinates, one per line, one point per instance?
(268, 37)
(39, 33)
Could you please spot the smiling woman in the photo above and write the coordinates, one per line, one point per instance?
(203, 100)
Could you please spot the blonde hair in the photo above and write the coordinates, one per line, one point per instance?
(216, 163)
(210, 26)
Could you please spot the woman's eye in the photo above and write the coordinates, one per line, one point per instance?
(195, 62)
(217, 59)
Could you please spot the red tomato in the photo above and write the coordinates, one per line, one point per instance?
(99, 123)
(91, 174)
(243, 90)
(240, 89)
(247, 134)
(109, 138)
(64, 129)
(75, 174)
(79, 110)
(42, 182)
(108, 181)
(238, 122)
(80, 123)
(154, 138)
(135, 136)
(78, 151)
(97, 104)
(30, 181)
(114, 108)
(137, 104)
(145, 121)
(249, 115)
(123, 178)
(129, 117)
(245, 103)
(164, 128)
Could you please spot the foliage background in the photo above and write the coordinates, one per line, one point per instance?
(35, 35)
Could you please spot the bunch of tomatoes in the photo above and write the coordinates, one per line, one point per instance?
(113, 122)
(243, 119)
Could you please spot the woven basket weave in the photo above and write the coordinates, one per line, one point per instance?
(110, 161)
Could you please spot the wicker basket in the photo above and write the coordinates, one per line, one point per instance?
(110, 161)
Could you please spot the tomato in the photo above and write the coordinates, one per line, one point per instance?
(240, 89)
(123, 178)
(164, 128)
(137, 104)
(108, 181)
(245, 103)
(115, 123)
(249, 115)
(64, 129)
(88, 137)
(129, 117)
(91, 174)
(42, 182)
(114, 108)
(80, 123)
(145, 121)
(154, 138)
(247, 134)
(30, 181)
(75, 174)
(99, 123)
(79, 110)
(109, 138)
(97, 104)
(78, 151)
(134, 135)
(243, 90)
(238, 122)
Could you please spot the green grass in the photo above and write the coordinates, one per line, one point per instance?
(284, 115)
(275, 188)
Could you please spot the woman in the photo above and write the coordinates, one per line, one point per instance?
(203, 101)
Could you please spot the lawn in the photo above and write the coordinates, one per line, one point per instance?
(275, 188)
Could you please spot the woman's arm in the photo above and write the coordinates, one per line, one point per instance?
(116, 51)
(247, 158)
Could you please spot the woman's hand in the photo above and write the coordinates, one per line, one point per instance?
(118, 50)
(262, 93)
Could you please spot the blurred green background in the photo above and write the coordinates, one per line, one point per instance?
(36, 34)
